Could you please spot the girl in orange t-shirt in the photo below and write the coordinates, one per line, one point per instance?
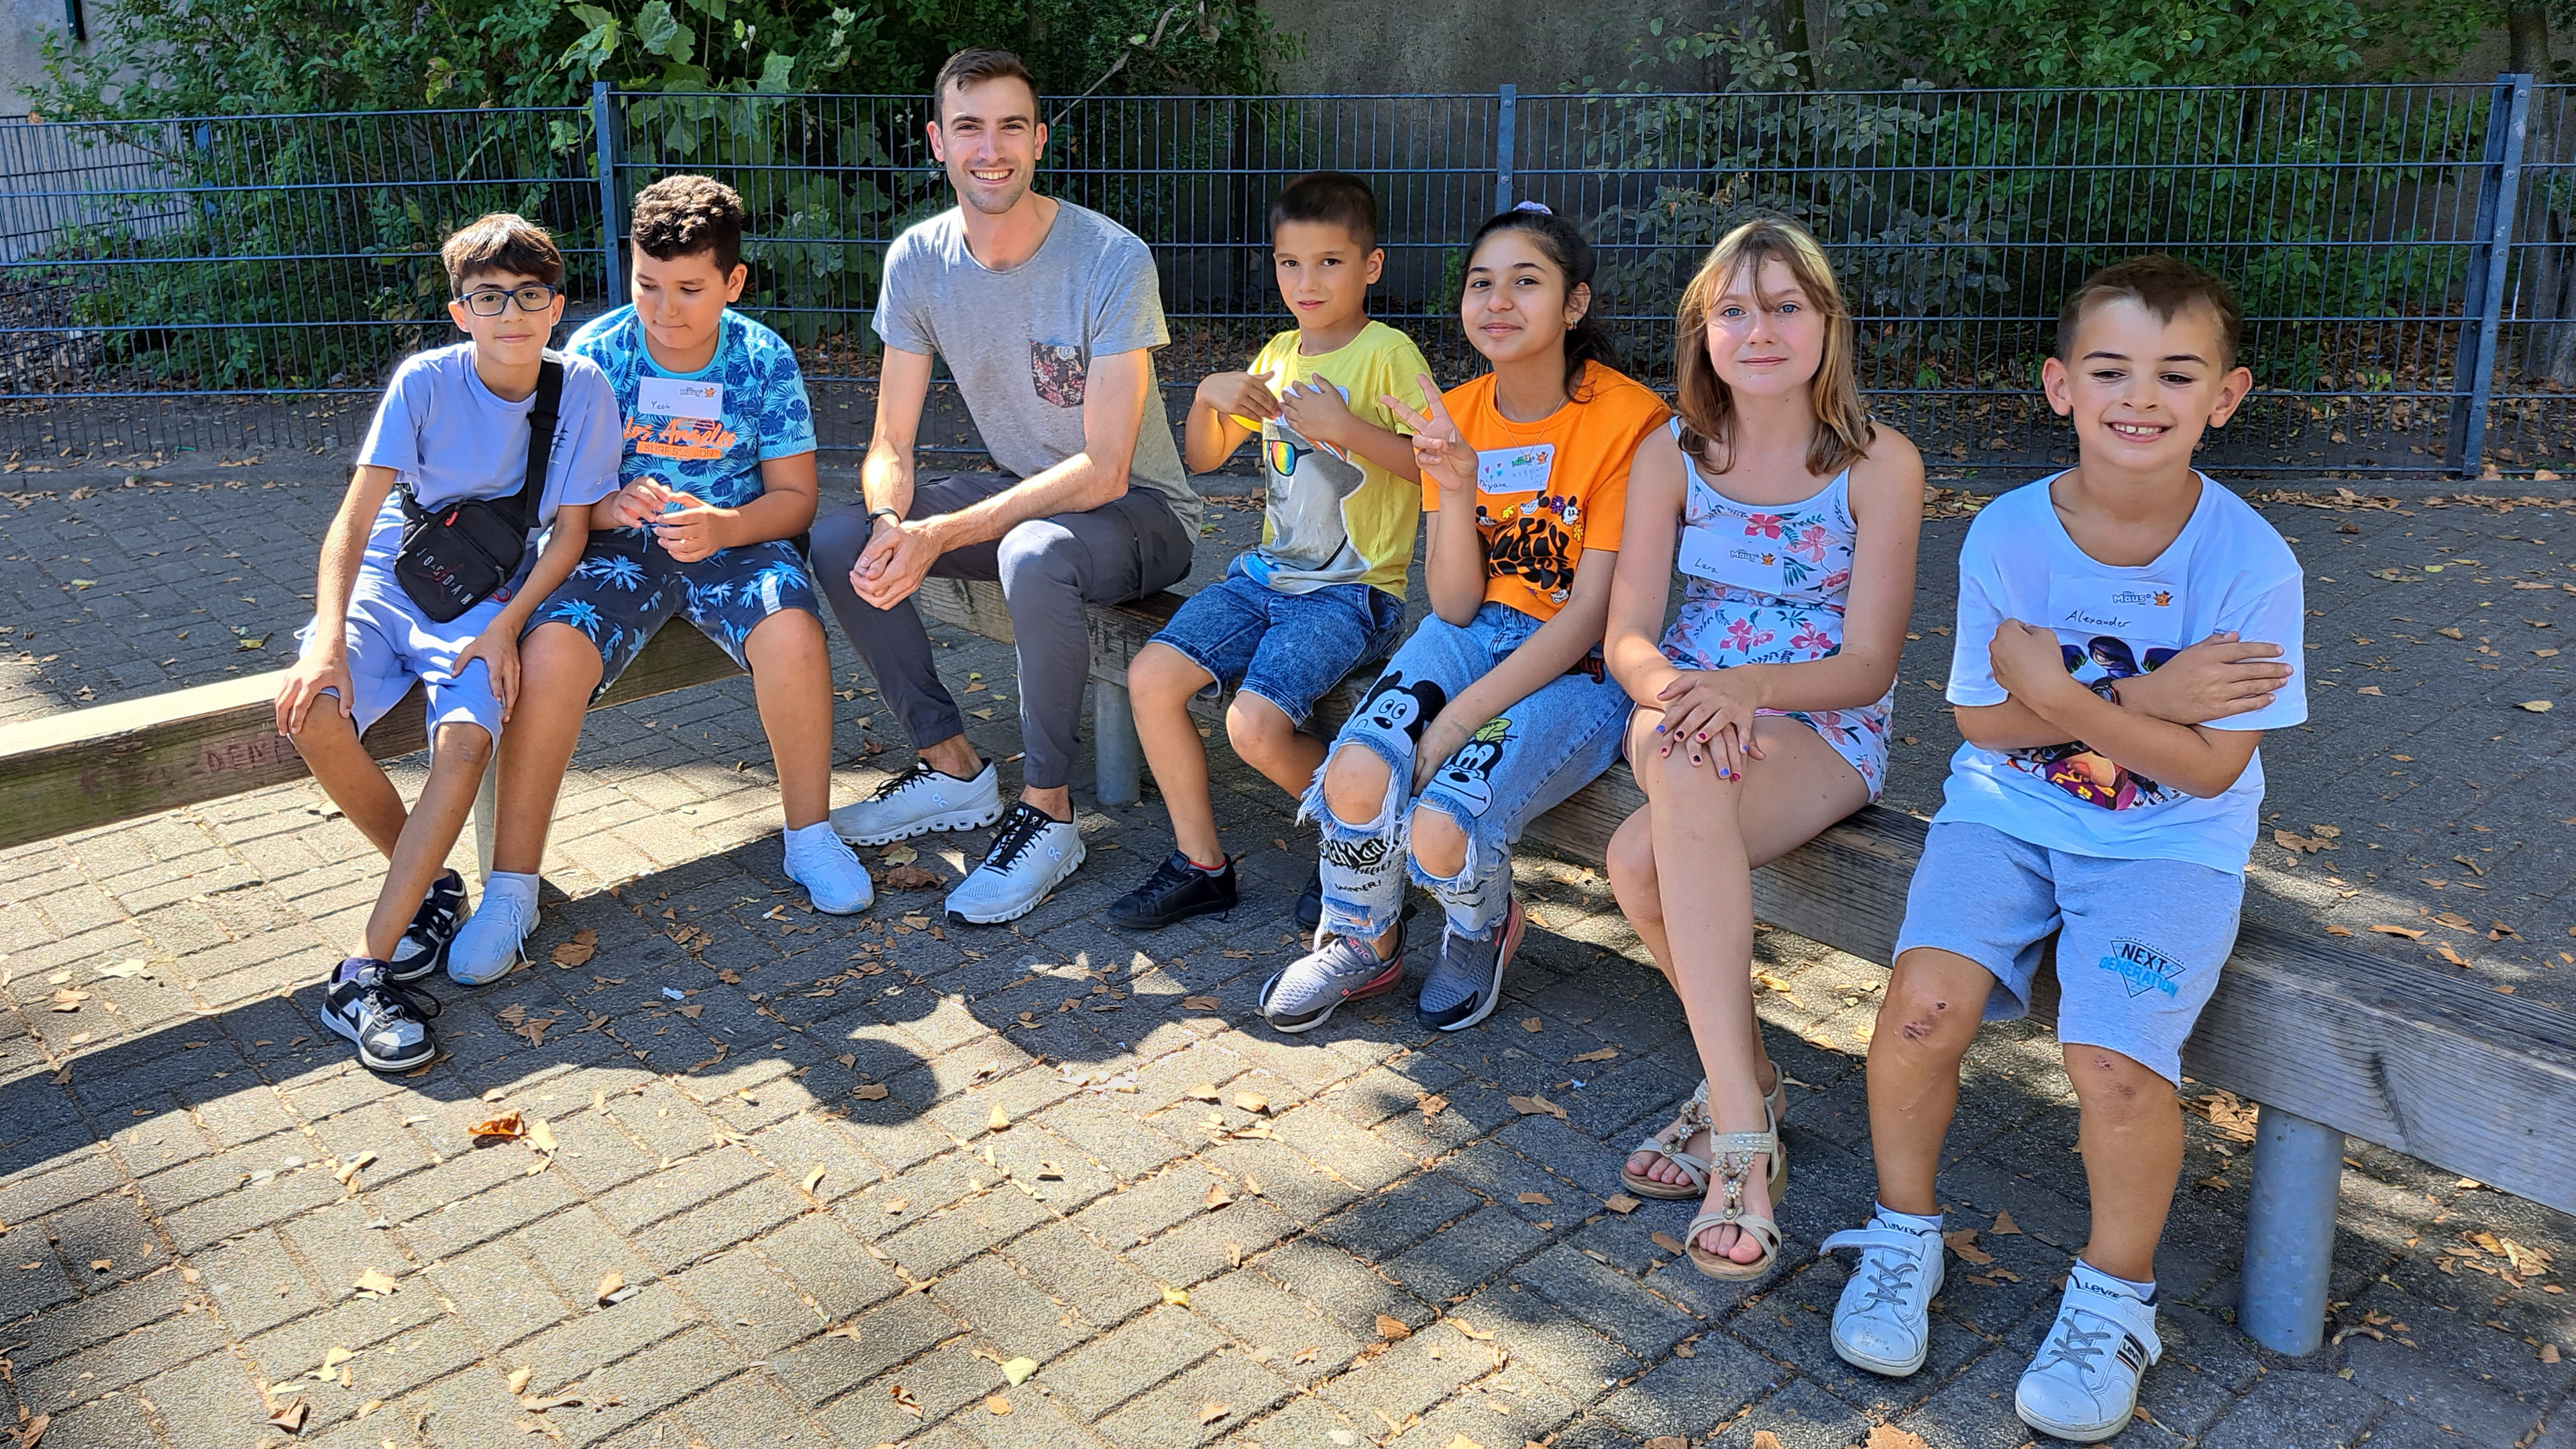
(1498, 706)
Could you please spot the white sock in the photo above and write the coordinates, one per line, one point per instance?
(1911, 1222)
(2092, 1277)
(812, 837)
(522, 884)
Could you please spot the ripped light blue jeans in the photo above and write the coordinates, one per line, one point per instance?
(1550, 744)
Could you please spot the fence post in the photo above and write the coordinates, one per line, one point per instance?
(602, 117)
(1506, 117)
(2490, 260)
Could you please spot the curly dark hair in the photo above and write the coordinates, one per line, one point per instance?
(681, 216)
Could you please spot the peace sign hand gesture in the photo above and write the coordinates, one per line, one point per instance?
(1439, 450)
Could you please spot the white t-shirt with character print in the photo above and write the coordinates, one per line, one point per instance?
(2227, 570)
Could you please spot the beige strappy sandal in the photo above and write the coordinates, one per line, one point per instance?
(1734, 1153)
(1693, 1118)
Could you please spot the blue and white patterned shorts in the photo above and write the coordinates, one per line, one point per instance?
(627, 587)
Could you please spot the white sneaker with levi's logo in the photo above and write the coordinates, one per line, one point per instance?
(2083, 1385)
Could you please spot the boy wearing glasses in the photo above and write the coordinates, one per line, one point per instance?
(451, 435)
(1325, 590)
(718, 468)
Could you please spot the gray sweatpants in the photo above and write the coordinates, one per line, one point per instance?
(1049, 569)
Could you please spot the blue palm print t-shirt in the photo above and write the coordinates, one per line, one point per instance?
(703, 433)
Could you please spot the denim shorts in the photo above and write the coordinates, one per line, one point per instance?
(626, 587)
(391, 643)
(1287, 648)
(2140, 947)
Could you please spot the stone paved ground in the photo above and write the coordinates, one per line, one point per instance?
(824, 1234)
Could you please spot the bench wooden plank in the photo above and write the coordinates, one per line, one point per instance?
(92, 767)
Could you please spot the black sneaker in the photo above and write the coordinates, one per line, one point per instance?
(1310, 902)
(388, 1021)
(423, 947)
(1177, 891)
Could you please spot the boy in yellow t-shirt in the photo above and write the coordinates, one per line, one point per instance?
(1325, 590)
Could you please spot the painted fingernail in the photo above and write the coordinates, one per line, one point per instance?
(1659, 729)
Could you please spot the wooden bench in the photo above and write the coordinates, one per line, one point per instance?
(2328, 1039)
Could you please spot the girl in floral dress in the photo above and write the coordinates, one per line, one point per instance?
(1761, 713)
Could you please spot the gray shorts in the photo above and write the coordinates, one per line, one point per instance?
(2142, 942)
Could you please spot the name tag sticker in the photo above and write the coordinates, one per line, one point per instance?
(674, 397)
(2143, 612)
(1515, 470)
(1727, 557)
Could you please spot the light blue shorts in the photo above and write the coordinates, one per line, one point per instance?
(392, 643)
(2140, 944)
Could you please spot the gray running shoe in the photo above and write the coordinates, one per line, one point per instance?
(1305, 995)
(388, 1020)
(1468, 981)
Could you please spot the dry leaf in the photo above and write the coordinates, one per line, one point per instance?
(1212, 1411)
(1765, 1439)
(572, 953)
(1392, 1329)
(2338, 931)
(911, 878)
(2004, 1226)
(1602, 1055)
(1199, 1003)
(1461, 1441)
(519, 1381)
(1667, 1441)
(1538, 1199)
(1470, 1330)
(2446, 953)
(813, 1178)
(1000, 1121)
(1204, 1092)
(1621, 1203)
(609, 1284)
(506, 1125)
(1217, 1196)
(1252, 1102)
(376, 1284)
(1018, 1370)
(288, 1416)
(331, 1360)
(2536, 706)
(2410, 935)
(901, 855)
(1177, 1297)
(2549, 1353)
(1533, 1104)
(903, 1398)
(33, 1430)
(348, 1171)
(1532, 1024)
(1431, 1105)
(1964, 1243)
(871, 1092)
(1665, 1241)
(996, 1405)
(541, 1136)
(1888, 1436)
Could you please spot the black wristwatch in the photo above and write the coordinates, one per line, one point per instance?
(882, 512)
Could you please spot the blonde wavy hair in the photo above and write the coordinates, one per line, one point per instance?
(1707, 407)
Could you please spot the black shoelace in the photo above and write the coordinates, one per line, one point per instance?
(436, 915)
(1020, 830)
(887, 790)
(1175, 871)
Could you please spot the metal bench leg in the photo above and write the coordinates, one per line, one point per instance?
(487, 810)
(1113, 745)
(2289, 1232)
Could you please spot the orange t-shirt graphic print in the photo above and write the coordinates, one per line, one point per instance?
(1544, 489)
(686, 438)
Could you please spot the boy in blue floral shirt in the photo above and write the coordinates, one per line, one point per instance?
(719, 483)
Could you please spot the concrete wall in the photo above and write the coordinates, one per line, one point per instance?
(24, 24)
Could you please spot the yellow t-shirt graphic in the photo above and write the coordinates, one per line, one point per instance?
(1331, 519)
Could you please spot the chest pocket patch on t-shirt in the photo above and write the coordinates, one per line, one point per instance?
(1057, 373)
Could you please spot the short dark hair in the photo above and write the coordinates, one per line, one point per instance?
(680, 216)
(2164, 285)
(973, 64)
(504, 242)
(1330, 198)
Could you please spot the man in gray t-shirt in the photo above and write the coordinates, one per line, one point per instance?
(1048, 315)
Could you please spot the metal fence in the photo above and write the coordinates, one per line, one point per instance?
(2402, 251)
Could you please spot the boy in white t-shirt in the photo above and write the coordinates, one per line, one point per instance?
(2127, 630)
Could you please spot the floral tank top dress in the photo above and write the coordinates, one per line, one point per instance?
(1767, 584)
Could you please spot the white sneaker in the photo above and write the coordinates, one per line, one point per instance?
(832, 877)
(918, 801)
(494, 938)
(1883, 1322)
(2083, 1386)
(1030, 854)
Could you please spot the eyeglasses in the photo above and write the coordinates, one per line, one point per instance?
(492, 301)
(1285, 456)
